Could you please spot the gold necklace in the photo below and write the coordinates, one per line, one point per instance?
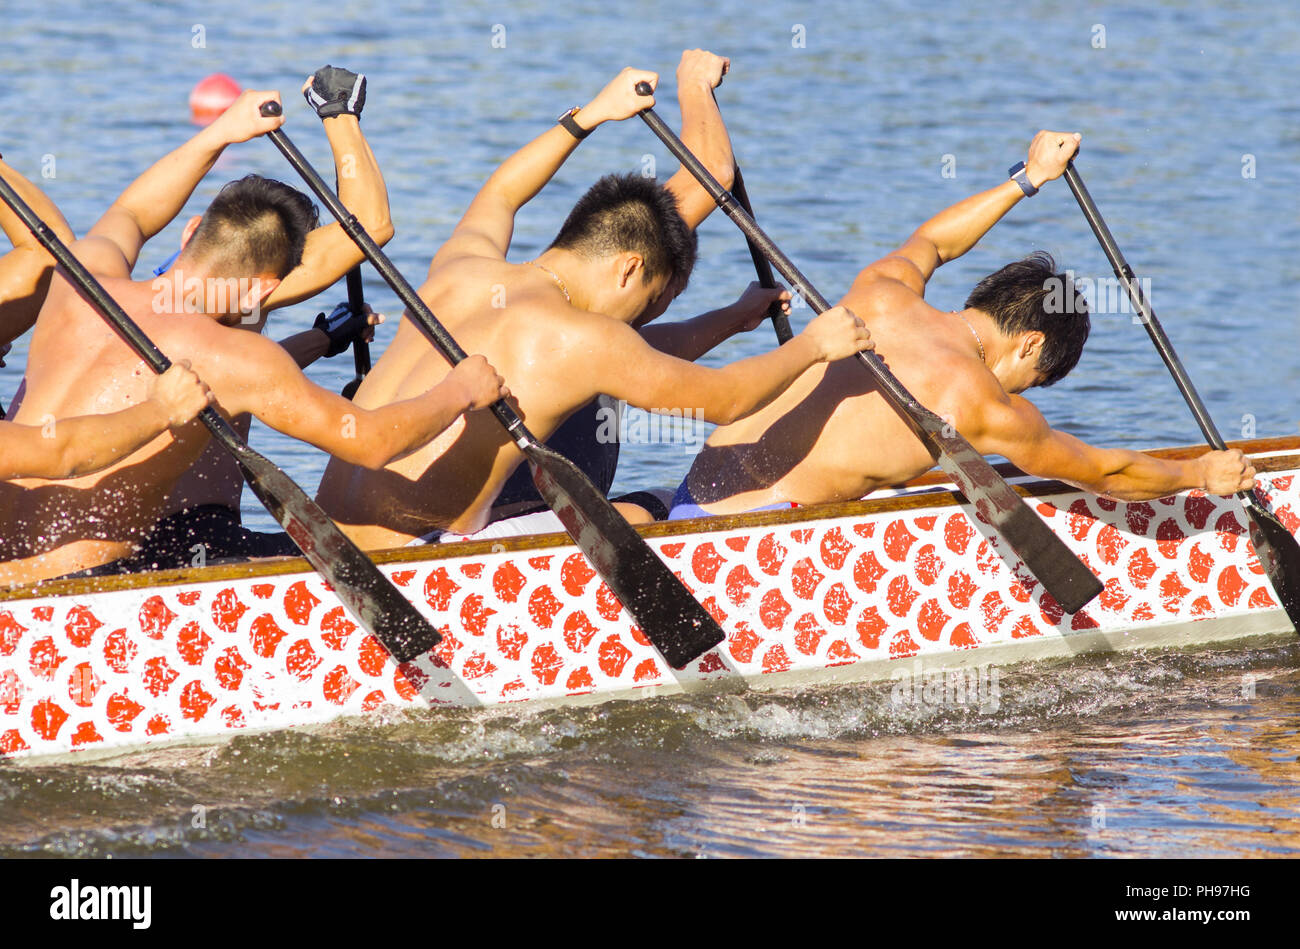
(556, 277)
(978, 342)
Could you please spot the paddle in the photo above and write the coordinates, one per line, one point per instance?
(357, 582)
(671, 618)
(360, 348)
(780, 322)
(1278, 552)
(1063, 575)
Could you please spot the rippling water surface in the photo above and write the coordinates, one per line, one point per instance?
(843, 144)
(1177, 755)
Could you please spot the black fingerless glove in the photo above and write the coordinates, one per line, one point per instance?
(342, 326)
(335, 91)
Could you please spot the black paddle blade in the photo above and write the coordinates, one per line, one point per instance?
(1062, 573)
(378, 605)
(1279, 554)
(665, 610)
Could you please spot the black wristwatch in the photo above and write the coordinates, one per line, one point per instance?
(1017, 174)
(572, 127)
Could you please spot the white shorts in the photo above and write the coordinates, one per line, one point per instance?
(542, 522)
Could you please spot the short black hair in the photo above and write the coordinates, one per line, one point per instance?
(254, 225)
(630, 212)
(1029, 295)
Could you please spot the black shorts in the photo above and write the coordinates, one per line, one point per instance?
(579, 440)
(576, 439)
(208, 533)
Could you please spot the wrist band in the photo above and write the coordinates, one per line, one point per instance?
(1017, 174)
(572, 127)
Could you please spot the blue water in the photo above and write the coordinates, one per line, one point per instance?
(843, 143)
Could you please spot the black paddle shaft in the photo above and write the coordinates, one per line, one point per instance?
(780, 321)
(762, 266)
(1045, 555)
(670, 616)
(1275, 546)
(357, 582)
(360, 348)
(1157, 332)
(447, 345)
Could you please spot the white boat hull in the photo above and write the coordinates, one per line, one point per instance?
(819, 594)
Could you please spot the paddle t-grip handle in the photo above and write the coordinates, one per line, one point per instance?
(643, 89)
(271, 109)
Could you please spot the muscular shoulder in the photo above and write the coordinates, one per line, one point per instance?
(66, 321)
(225, 357)
(589, 351)
(891, 275)
(568, 334)
(470, 282)
(466, 246)
(873, 294)
(993, 419)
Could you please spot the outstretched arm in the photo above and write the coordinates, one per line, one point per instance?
(25, 271)
(37, 200)
(691, 339)
(1018, 431)
(262, 379)
(488, 224)
(333, 335)
(83, 445)
(630, 370)
(151, 201)
(329, 252)
(703, 133)
(957, 229)
(306, 347)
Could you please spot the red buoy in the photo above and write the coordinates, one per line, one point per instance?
(211, 97)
